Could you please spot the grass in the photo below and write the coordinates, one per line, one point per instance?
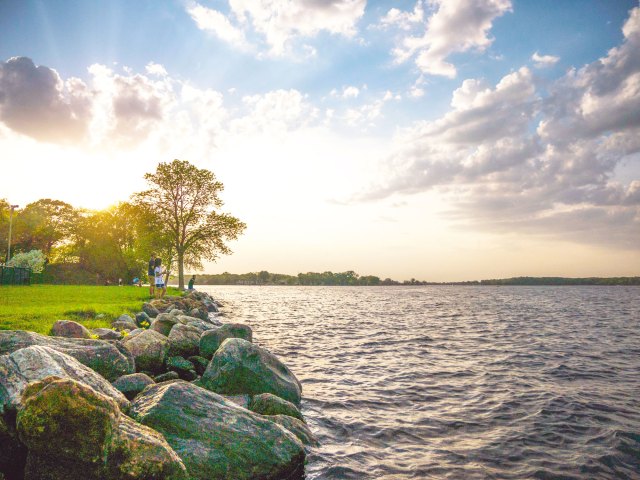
(37, 307)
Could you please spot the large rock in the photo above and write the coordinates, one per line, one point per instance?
(297, 427)
(138, 452)
(269, 404)
(143, 320)
(150, 310)
(163, 323)
(242, 367)
(184, 368)
(210, 341)
(66, 419)
(124, 322)
(132, 385)
(69, 329)
(149, 349)
(106, 334)
(184, 340)
(109, 359)
(215, 438)
(36, 363)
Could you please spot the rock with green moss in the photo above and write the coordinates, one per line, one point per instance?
(163, 323)
(35, 363)
(132, 385)
(149, 349)
(184, 368)
(214, 437)
(211, 340)
(184, 340)
(240, 367)
(64, 418)
(269, 404)
(109, 358)
(297, 427)
(138, 452)
(69, 329)
(199, 363)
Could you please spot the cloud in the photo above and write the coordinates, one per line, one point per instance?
(155, 69)
(454, 26)
(35, 101)
(278, 23)
(511, 160)
(543, 61)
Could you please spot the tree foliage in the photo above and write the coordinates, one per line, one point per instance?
(182, 201)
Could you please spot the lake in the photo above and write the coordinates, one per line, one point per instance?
(458, 382)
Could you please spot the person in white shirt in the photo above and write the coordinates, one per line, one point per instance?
(159, 272)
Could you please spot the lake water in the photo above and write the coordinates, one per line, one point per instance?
(458, 382)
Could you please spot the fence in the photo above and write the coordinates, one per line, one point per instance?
(15, 275)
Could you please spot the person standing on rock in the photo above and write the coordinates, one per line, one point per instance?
(159, 272)
(152, 275)
(191, 282)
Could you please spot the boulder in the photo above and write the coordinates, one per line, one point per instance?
(184, 340)
(149, 348)
(133, 333)
(184, 368)
(241, 367)
(268, 404)
(110, 359)
(211, 340)
(150, 310)
(36, 363)
(215, 438)
(106, 334)
(199, 363)
(69, 329)
(202, 325)
(140, 453)
(175, 312)
(167, 377)
(143, 318)
(200, 313)
(297, 427)
(132, 385)
(124, 322)
(63, 419)
(164, 323)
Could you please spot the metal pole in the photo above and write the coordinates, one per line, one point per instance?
(9, 241)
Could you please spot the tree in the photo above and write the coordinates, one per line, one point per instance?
(34, 260)
(183, 199)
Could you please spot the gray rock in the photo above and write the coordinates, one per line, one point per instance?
(142, 317)
(166, 377)
(269, 404)
(149, 348)
(184, 340)
(150, 310)
(140, 453)
(211, 340)
(124, 322)
(35, 363)
(199, 363)
(135, 332)
(106, 334)
(203, 326)
(163, 323)
(241, 367)
(175, 312)
(241, 400)
(69, 329)
(132, 385)
(109, 358)
(215, 438)
(199, 313)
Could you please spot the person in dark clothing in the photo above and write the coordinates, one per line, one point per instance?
(152, 275)
(191, 282)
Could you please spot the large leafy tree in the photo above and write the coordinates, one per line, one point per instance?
(183, 200)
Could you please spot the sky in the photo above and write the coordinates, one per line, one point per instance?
(433, 139)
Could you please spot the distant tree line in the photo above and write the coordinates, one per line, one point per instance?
(563, 281)
(175, 218)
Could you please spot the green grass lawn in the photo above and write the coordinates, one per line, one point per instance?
(37, 307)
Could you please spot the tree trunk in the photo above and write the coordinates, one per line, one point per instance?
(181, 270)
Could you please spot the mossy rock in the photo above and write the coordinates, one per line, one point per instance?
(269, 404)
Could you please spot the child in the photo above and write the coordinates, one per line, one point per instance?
(159, 272)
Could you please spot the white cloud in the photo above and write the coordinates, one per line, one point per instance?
(543, 61)
(454, 26)
(155, 69)
(350, 92)
(505, 174)
(217, 23)
(278, 23)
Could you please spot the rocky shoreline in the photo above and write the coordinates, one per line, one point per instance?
(170, 394)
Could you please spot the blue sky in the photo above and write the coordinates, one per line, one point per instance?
(439, 139)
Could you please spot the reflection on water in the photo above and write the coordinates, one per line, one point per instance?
(458, 382)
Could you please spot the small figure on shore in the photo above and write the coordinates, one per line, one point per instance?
(152, 275)
(191, 282)
(119, 282)
(159, 272)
